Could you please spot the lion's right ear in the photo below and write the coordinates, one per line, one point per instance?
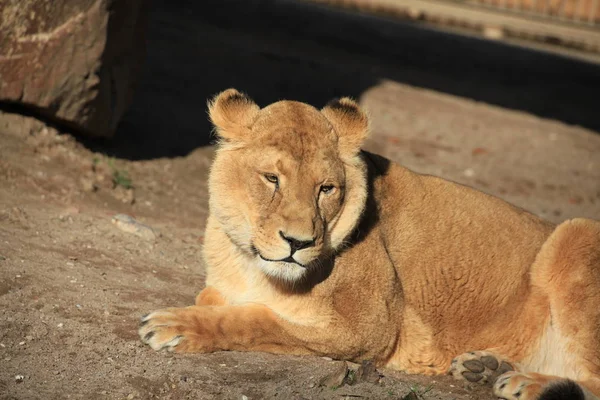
(350, 122)
(232, 113)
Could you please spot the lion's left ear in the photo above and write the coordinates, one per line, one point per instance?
(233, 114)
(350, 122)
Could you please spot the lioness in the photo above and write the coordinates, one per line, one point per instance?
(313, 246)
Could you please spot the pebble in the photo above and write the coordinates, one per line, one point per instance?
(60, 325)
(336, 378)
(129, 224)
(19, 378)
(469, 172)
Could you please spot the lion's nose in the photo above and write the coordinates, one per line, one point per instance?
(296, 244)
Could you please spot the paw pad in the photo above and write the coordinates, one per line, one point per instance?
(478, 367)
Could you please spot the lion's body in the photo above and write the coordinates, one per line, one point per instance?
(385, 264)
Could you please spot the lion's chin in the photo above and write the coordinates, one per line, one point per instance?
(285, 271)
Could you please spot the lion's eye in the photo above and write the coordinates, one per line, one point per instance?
(272, 178)
(327, 188)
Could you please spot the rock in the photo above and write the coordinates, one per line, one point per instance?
(19, 378)
(71, 61)
(129, 224)
(88, 184)
(124, 195)
(336, 378)
(367, 373)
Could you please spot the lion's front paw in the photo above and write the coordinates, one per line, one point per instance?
(479, 367)
(174, 329)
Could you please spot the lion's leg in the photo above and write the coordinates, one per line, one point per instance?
(567, 270)
(487, 368)
(243, 328)
(210, 296)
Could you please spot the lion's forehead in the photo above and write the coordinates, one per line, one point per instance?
(323, 162)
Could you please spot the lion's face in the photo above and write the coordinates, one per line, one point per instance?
(286, 187)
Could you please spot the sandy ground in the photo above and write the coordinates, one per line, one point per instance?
(73, 284)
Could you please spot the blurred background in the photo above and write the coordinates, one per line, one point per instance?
(543, 64)
(537, 56)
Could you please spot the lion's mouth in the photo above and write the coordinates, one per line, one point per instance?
(288, 259)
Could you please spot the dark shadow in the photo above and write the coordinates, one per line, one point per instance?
(286, 49)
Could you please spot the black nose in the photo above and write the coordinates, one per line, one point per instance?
(296, 244)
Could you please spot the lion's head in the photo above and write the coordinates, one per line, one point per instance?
(288, 184)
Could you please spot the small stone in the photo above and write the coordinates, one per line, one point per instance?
(29, 337)
(336, 378)
(21, 343)
(130, 396)
(125, 195)
(368, 373)
(129, 224)
(78, 306)
(88, 185)
(19, 378)
(60, 325)
(244, 397)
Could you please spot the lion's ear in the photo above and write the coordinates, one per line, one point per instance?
(350, 122)
(232, 113)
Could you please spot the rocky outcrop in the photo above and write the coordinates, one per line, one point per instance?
(72, 61)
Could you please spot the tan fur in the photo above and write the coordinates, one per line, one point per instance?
(404, 269)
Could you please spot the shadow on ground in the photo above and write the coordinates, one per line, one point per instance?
(286, 49)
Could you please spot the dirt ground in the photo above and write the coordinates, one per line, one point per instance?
(73, 284)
